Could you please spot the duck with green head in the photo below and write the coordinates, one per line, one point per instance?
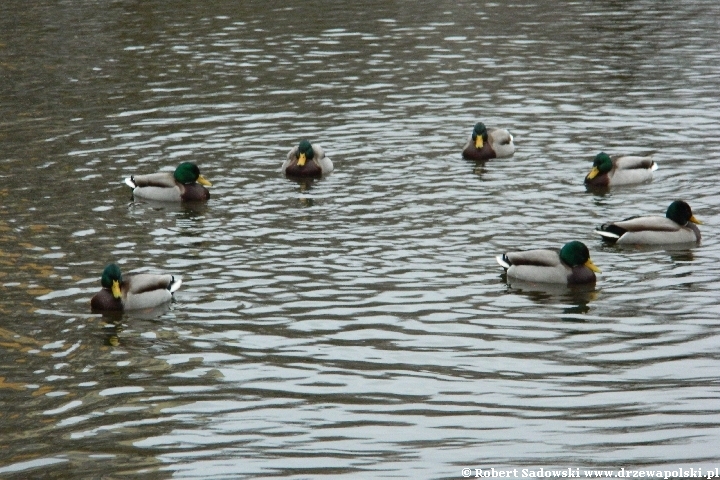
(620, 170)
(306, 160)
(133, 292)
(485, 143)
(184, 184)
(571, 265)
(679, 225)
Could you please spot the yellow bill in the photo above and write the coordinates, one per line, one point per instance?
(695, 220)
(593, 173)
(116, 289)
(301, 160)
(478, 142)
(204, 181)
(592, 266)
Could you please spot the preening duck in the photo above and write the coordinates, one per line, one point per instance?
(570, 265)
(184, 184)
(677, 226)
(485, 143)
(138, 291)
(307, 160)
(620, 170)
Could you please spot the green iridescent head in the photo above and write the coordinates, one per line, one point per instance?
(575, 254)
(306, 148)
(481, 131)
(188, 172)
(111, 272)
(111, 279)
(680, 213)
(601, 165)
(603, 162)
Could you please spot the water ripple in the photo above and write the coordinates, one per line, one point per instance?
(356, 325)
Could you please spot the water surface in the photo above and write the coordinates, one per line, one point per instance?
(356, 326)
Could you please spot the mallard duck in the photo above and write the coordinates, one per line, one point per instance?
(620, 170)
(141, 290)
(571, 265)
(185, 184)
(677, 226)
(306, 160)
(485, 144)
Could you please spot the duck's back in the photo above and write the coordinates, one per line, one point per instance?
(322, 160)
(631, 169)
(160, 179)
(157, 186)
(539, 257)
(145, 290)
(656, 230)
(501, 142)
(628, 162)
(538, 266)
(654, 223)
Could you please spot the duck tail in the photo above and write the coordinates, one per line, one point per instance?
(174, 284)
(504, 261)
(653, 167)
(610, 232)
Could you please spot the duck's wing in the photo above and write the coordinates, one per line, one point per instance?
(535, 266)
(324, 162)
(326, 165)
(147, 282)
(538, 258)
(653, 230)
(630, 162)
(500, 136)
(144, 290)
(160, 179)
(501, 142)
(318, 151)
(291, 157)
(654, 223)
